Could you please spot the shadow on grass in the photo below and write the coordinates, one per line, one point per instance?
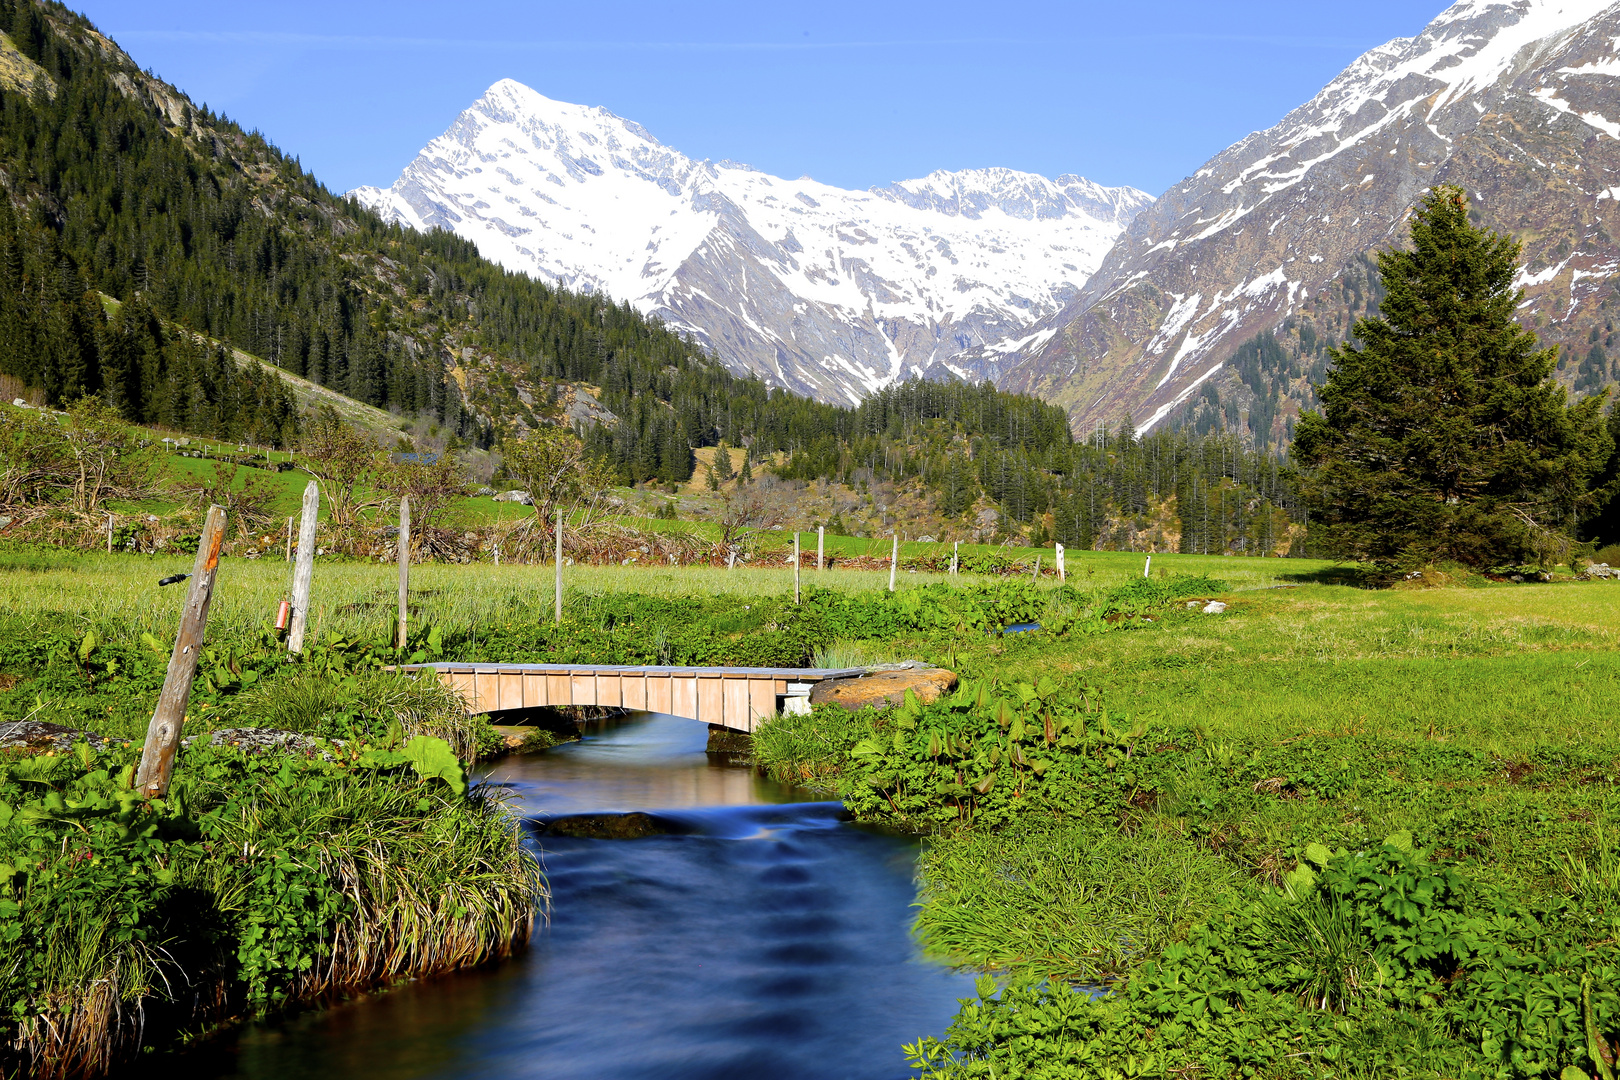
(1356, 577)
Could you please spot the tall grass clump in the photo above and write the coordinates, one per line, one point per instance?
(364, 704)
(260, 882)
(1073, 901)
(808, 749)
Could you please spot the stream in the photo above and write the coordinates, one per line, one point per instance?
(770, 938)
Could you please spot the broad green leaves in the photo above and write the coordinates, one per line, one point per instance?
(431, 758)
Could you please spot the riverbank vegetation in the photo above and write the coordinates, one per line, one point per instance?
(320, 837)
(1328, 831)
(259, 882)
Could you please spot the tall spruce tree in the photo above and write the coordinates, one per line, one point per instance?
(1444, 436)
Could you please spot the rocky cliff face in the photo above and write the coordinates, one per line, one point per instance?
(824, 291)
(1515, 100)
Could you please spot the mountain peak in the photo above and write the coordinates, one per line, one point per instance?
(816, 288)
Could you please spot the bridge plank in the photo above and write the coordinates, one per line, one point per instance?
(509, 686)
(761, 701)
(734, 704)
(582, 687)
(683, 697)
(635, 691)
(610, 689)
(661, 693)
(711, 704)
(462, 683)
(796, 674)
(487, 691)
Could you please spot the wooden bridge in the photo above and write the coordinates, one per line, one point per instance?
(737, 698)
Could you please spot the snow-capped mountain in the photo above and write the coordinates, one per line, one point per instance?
(818, 289)
(1515, 100)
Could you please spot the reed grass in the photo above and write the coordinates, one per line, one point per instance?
(806, 749)
(429, 882)
(430, 891)
(1064, 900)
(315, 703)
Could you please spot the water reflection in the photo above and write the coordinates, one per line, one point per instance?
(770, 941)
(641, 762)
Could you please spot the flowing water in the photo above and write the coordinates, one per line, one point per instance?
(767, 938)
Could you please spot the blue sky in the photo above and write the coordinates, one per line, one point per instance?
(851, 93)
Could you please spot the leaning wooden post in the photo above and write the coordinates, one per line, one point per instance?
(163, 733)
(304, 568)
(894, 561)
(821, 541)
(795, 566)
(1036, 573)
(556, 531)
(404, 546)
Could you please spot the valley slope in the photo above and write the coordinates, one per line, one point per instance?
(1514, 101)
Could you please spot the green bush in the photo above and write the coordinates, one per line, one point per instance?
(986, 754)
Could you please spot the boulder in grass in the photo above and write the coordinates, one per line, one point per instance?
(39, 737)
(251, 740)
(517, 495)
(881, 689)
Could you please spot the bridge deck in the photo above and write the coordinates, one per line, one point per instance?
(739, 698)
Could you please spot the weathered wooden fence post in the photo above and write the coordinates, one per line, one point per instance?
(1147, 566)
(956, 547)
(404, 546)
(795, 566)
(1063, 571)
(163, 733)
(304, 568)
(109, 531)
(556, 530)
(1036, 573)
(894, 561)
(821, 541)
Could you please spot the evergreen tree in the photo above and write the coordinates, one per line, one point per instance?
(1604, 525)
(1444, 435)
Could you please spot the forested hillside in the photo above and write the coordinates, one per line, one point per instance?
(142, 238)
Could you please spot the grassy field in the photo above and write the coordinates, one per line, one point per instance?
(352, 597)
(1503, 669)
(1308, 720)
